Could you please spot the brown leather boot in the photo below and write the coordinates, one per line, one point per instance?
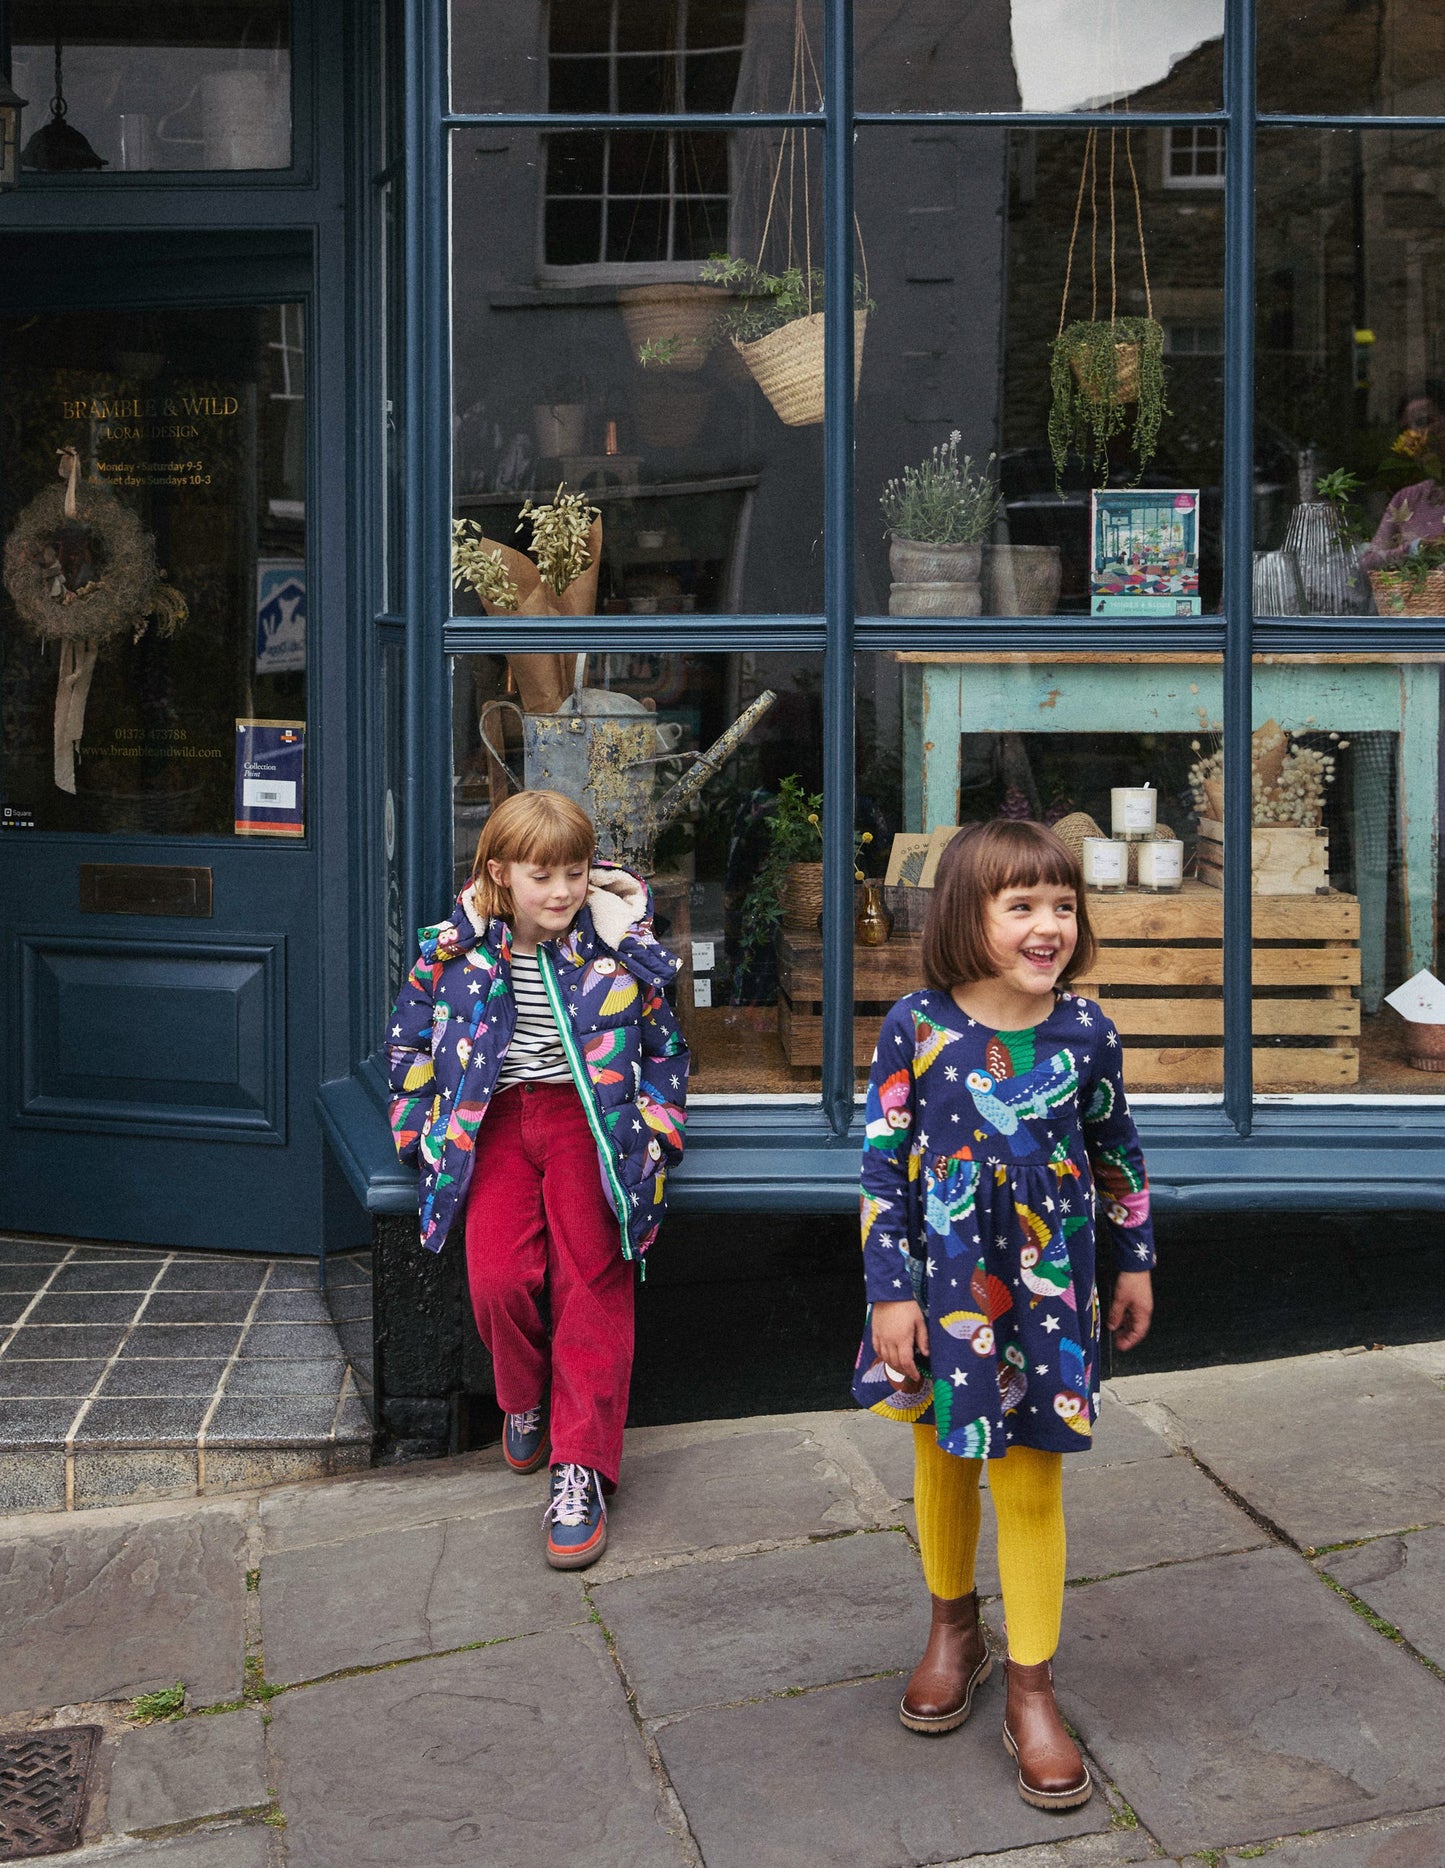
(1052, 1775)
(939, 1696)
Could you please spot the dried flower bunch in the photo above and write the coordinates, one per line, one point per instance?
(559, 537)
(1288, 780)
(944, 501)
(476, 568)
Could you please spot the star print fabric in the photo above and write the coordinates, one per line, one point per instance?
(454, 1020)
(992, 1163)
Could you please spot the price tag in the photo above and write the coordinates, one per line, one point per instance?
(704, 956)
(702, 992)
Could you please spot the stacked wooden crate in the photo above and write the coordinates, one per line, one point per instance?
(1159, 975)
(1160, 972)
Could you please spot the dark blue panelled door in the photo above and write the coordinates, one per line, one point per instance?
(157, 855)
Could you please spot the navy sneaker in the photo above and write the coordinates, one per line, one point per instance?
(577, 1517)
(524, 1440)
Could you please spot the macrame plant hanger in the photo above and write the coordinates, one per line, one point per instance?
(1126, 366)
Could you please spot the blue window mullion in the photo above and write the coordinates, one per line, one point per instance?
(426, 870)
(838, 576)
(1239, 97)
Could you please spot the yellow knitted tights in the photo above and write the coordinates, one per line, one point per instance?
(1028, 1501)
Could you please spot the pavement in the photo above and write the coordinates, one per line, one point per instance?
(380, 1669)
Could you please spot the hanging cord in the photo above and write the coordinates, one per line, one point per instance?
(1093, 226)
(1074, 235)
(1113, 243)
(1139, 223)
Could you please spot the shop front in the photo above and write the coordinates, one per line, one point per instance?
(798, 430)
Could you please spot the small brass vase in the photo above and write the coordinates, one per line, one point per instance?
(874, 921)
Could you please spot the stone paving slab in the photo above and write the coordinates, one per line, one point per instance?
(236, 1846)
(1403, 1579)
(523, 1755)
(1414, 1842)
(1129, 1517)
(177, 1771)
(832, 1777)
(96, 1610)
(1117, 1849)
(709, 1497)
(1238, 1698)
(396, 1498)
(714, 1632)
(401, 1593)
(1328, 1447)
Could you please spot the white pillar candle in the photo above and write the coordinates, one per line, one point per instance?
(1161, 864)
(1131, 809)
(1106, 864)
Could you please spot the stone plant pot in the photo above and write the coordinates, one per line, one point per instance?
(934, 580)
(1022, 580)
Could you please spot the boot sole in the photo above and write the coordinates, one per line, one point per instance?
(943, 1722)
(1069, 1799)
(580, 1558)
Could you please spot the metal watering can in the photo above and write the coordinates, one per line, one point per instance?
(605, 758)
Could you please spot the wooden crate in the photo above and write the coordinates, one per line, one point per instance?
(1160, 972)
(1285, 859)
(1159, 976)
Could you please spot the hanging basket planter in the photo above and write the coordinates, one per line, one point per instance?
(1119, 381)
(787, 365)
(683, 315)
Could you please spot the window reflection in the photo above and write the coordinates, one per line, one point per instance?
(166, 85)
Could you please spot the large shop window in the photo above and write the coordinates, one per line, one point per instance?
(1041, 431)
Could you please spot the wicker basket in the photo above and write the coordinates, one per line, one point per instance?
(787, 365)
(1394, 597)
(802, 900)
(1126, 374)
(683, 311)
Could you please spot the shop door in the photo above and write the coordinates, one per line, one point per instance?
(157, 865)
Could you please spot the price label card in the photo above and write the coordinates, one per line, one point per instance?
(702, 992)
(1421, 1000)
(704, 956)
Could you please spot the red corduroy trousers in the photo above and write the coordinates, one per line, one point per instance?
(538, 1219)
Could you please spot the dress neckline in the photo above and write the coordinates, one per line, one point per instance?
(963, 1021)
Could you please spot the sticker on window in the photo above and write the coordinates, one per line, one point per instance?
(270, 778)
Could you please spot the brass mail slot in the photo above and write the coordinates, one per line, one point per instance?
(144, 889)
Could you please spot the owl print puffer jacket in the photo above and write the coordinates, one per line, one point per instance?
(454, 1020)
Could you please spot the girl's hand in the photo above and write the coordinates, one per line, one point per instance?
(899, 1329)
(1131, 1309)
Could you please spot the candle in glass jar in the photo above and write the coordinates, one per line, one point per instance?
(1161, 865)
(1131, 809)
(1106, 864)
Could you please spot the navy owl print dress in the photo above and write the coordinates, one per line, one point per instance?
(991, 1161)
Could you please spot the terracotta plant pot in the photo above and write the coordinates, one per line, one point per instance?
(1425, 1047)
(934, 580)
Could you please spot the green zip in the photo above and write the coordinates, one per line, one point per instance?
(584, 1090)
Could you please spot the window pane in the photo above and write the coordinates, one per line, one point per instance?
(970, 243)
(638, 55)
(1041, 55)
(736, 902)
(947, 739)
(705, 461)
(1350, 373)
(1345, 869)
(164, 85)
(187, 549)
(1331, 57)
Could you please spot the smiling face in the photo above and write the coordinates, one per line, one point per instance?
(1032, 933)
(545, 898)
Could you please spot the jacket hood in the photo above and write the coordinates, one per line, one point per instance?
(617, 912)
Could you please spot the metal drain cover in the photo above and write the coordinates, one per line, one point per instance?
(44, 1789)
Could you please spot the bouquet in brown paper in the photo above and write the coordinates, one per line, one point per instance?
(555, 576)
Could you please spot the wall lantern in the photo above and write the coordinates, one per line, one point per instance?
(10, 108)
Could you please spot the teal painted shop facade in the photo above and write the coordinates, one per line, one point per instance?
(350, 276)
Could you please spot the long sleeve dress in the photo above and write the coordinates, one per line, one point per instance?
(991, 1158)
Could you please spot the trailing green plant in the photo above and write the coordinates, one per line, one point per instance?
(794, 834)
(943, 501)
(759, 302)
(1410, 573)
(1089, 402)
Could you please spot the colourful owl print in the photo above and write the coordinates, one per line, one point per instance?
(619, 989)
(1000, 1238)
